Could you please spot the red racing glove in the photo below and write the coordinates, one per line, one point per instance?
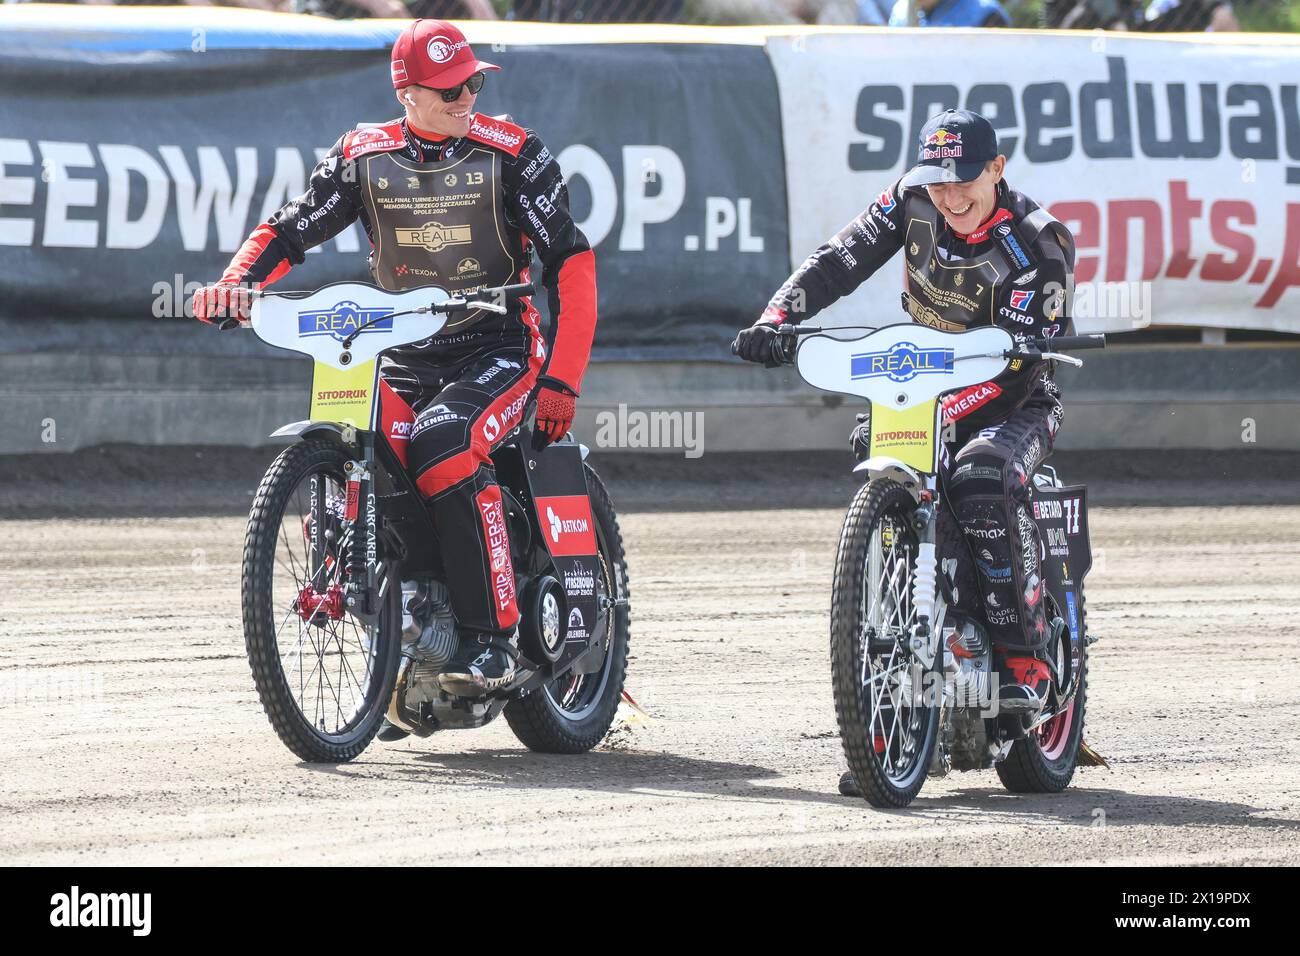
(555, 407)
(224, 304)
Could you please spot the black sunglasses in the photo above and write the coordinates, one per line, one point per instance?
(475, 83)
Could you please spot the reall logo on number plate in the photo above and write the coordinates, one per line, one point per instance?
(342, 320)
(901, 363)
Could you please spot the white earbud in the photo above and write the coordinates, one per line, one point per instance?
(409, 100)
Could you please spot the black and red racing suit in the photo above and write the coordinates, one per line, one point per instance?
(1015, 271)
(461, 214)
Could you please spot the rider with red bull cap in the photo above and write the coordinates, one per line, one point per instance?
(977, 253)
(452, 198)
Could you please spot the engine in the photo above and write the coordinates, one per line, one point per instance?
(428, 644)
(969, 695)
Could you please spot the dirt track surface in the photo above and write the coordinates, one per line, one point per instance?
(134, 735)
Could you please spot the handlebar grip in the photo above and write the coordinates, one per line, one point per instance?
(787, 349)
(476, 299)
(1061, 343)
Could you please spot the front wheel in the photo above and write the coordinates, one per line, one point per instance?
(573, 712)
(886, 700)
(323, 675)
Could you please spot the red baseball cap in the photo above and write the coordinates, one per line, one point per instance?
(434, 53)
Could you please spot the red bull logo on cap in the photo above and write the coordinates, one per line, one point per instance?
(942, 144)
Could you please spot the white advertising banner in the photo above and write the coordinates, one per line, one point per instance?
(1175, 162)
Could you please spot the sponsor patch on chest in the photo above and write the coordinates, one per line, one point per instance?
(499, 133)
(373, 139)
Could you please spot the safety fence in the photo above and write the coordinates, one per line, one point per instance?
(1153, 16)
(139, 147)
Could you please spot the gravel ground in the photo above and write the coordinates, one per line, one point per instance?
(135, 735)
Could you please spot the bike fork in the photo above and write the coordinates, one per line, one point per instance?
(318, 509)
(925, 580)
(362, 555)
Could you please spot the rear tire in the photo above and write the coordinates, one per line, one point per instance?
(573, 713)
(888, 747)
(356, 663)
(1045, 761)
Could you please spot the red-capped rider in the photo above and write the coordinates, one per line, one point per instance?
(977, 254)
(452, 198)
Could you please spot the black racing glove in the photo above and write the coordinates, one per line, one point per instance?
(760, 343)
(860, 437)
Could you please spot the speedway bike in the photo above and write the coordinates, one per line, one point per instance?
(913, 678)
(347, 616)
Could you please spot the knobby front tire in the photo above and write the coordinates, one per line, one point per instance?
(888, 730)
(324, 679)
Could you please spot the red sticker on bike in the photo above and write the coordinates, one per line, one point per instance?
(397, 420)
(960, 404)
(567, 524)
(354, 501)
(493, 515)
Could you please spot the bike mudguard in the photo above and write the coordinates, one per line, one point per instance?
(563, 509)
(1062, 518)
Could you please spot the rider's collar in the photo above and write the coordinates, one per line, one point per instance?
(426, 145)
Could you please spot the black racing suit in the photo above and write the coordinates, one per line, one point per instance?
(461, 214)
(1015, 271)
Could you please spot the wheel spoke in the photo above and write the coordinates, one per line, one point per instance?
(328, 693)
(895, 719)
(295, 650)
(345, 663)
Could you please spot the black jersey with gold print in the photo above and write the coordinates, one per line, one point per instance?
(1015, 271)
(460, 213)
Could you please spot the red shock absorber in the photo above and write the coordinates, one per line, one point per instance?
(353, 507)
(355, 560)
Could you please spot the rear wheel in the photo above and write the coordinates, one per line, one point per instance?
(572, 713)
(1045, 760)
(885, 700)
(323, 675)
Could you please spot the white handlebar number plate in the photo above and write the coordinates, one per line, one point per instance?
(316, 324)
(903, 365)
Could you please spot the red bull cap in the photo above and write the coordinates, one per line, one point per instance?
(954, 147)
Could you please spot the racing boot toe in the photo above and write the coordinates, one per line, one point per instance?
(484, 663)
(1023, 686)
(390, 733)
(849, 785)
